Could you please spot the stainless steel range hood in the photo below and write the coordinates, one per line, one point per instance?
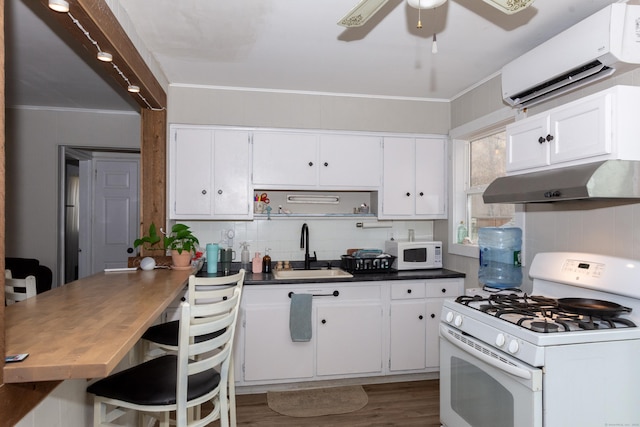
(610, 179)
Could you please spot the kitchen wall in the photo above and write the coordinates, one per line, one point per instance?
(330, 237)
(586, 226)
(32, 140)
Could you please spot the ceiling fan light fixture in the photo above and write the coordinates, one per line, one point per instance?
(510, 6)
(59, 5)
(105, 56)
(427, 4)
(361, 13)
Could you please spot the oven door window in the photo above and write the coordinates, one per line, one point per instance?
(478, 397)
(415, 255)
(476, 394)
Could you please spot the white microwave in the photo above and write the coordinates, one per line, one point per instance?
(414, 255)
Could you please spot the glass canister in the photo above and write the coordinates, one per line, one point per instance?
(500, 257)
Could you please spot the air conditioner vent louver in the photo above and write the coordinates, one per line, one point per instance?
(589, 73)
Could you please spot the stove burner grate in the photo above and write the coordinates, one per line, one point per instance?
(540, 314)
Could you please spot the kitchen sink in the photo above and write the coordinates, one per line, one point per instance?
(334, 273)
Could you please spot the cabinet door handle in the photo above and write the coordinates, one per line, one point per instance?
(204, 191)
(541, 140)
(408, 291)
(421, 194)
(408, 194)
(323, 321)
(326, 164)
(420, 317)
(310, 163)
(219, 191)
(444, 290)
(549, 137)
(433, 316)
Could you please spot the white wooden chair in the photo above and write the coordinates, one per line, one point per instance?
(198, 373)
(18, 289)
(165, 335)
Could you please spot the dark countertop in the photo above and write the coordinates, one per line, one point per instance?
(269, 279)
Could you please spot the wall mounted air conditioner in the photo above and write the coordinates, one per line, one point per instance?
(595, 48)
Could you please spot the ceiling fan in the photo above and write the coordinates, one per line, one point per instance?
(365, 9)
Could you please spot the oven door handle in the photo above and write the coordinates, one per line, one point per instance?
(513, 370)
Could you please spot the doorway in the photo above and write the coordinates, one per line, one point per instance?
(98, 209)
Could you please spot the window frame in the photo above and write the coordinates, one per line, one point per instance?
(460, 138)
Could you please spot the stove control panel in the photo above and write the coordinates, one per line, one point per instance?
(582, 269)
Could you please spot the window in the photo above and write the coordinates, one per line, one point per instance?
(478, 153)
(487, 160)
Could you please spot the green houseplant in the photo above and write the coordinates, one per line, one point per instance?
(181, 239)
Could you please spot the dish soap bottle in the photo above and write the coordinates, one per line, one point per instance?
(244, 256)
(462, 232)
(266, 262)
(257, 263)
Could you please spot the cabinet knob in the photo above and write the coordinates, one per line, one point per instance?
(204, 191)
(408, 291)
(433, 316)
(420, 317)
(549, 137)
(323, 321)
(541, 140)
(219, 191)
(310, 163)
(326, 164)
(408, 194)
(444, 290)
(421, 194)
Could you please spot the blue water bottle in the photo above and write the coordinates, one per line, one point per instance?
(500, 262)
(212, 257)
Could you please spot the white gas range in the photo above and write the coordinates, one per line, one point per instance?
(566, 355)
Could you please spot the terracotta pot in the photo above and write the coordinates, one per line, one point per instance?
(181, 260)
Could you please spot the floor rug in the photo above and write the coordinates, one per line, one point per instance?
(318, 402)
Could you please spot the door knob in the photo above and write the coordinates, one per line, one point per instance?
(129, 250)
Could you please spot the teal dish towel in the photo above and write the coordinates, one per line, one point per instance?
(300, 317)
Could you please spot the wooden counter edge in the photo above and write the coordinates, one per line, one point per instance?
(17, 400)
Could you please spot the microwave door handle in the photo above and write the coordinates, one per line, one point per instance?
(513, 370)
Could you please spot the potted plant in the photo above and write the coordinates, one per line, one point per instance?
(150, 241)
(182, 243)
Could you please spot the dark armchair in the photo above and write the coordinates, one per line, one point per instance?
(23, 267)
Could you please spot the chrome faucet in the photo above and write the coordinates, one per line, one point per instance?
(304, 244)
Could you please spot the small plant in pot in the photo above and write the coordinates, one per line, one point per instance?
(151, 241)
(183, 245)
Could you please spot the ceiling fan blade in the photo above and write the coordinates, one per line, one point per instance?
(361, 13)
(509, 6)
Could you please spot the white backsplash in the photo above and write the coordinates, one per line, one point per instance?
(329, 237)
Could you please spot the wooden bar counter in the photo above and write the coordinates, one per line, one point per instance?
(84, 328)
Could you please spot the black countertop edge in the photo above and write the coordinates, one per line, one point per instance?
(269, 279)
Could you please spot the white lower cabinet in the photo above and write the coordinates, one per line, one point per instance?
(414, 315)
(349, 339)
(359, 329)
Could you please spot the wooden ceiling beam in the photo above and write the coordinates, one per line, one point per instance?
(97, 19)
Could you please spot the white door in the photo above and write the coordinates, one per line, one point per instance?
(285, 160)
(527, 145)
(232, 162)
(352, 161)
(399, 177)
(115, 211)
(430, 176)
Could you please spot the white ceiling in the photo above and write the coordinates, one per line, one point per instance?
(290, 45)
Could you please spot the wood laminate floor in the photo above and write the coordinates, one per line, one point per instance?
(408, 404)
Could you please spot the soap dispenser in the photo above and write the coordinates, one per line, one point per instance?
(257, 263)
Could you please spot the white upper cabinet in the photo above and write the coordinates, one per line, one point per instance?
(414, 178)
(601, 126)
(283, 159)
(291, 160)
(350, 161)
(209, 172)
